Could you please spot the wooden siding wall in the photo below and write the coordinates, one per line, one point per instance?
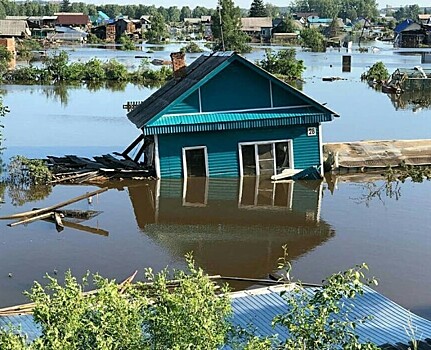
(223, 148)
(241, 88)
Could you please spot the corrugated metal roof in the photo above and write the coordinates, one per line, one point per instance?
(255, 309)
(255, 23)
(10, 27)
(173, 89)
(196, 75)
(387, 325)
(169, 124)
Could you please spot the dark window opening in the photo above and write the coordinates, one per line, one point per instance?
(195, 162)
(248, 160)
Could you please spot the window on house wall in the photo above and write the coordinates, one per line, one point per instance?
(248, 160)
(195, 161)
(265, 158)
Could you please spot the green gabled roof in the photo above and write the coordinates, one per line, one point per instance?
(171, 124)
(197, 74)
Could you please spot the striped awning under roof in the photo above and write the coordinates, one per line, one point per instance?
(172, 124)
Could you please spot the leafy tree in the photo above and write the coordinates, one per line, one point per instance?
(258, 9)
(65, 6)
(191, 47)
(377, 72)
(407, 12)
(185, 13)
(174, 14)
(114, 70)
(5, 59)
(226, 28)
(310, 320)
(189, 316)
(127, 44)
(158, 29)
(313, 39)
(283, 64)
(56, 66)
(199, 11)
(272, 10)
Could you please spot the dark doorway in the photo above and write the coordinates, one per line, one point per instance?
(195, 160)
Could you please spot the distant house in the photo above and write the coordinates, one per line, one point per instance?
(100, 18)
(10, 28)
(145, 22)
(223, 116)
(72, 19)
(316, 21)
(199, 25)
(411, 34)
(67, 34)
(305, 15)
(424, 18)
(257, 27)
(121, 26)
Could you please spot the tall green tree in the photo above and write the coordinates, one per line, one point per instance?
(257, 9)
(272, 10)
(65, 6)
(185, 13)
(282, 64)
(226, 28)
(158, 30)
(313, 39)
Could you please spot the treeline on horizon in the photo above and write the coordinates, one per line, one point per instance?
(351, 9)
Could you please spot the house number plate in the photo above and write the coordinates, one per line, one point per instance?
(311, 131)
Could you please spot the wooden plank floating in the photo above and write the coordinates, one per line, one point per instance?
(74, 169)
(56, 215)
(33, 213)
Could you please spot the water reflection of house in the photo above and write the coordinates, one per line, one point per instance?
(234, 227)
(223, 116)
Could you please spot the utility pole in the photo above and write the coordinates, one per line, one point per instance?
(219, 8)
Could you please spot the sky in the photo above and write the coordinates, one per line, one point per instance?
(240, 3)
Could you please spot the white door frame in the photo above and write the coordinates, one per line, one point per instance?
(184, 149)
(256, 154)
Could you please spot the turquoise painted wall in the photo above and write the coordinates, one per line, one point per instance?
(236, 87)
(222, 148)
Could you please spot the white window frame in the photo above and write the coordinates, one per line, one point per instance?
(185, 149)
(256, 154)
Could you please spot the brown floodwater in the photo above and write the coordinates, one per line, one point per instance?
(233, 228)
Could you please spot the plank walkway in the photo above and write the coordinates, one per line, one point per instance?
(388, 326)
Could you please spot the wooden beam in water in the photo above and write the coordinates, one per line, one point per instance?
(41, 211)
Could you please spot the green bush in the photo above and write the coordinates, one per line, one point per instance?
(377, 72)
(94, 70)
(191, 47)
(127, 44)
(116, 71)
(313, 39)
(22, 170)
(282, 63)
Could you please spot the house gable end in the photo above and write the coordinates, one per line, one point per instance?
(235, 85)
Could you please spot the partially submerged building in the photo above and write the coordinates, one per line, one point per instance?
(223, 116)
(411, 34)
(257, 27)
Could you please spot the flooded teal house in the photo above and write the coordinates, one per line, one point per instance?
(223, 116)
